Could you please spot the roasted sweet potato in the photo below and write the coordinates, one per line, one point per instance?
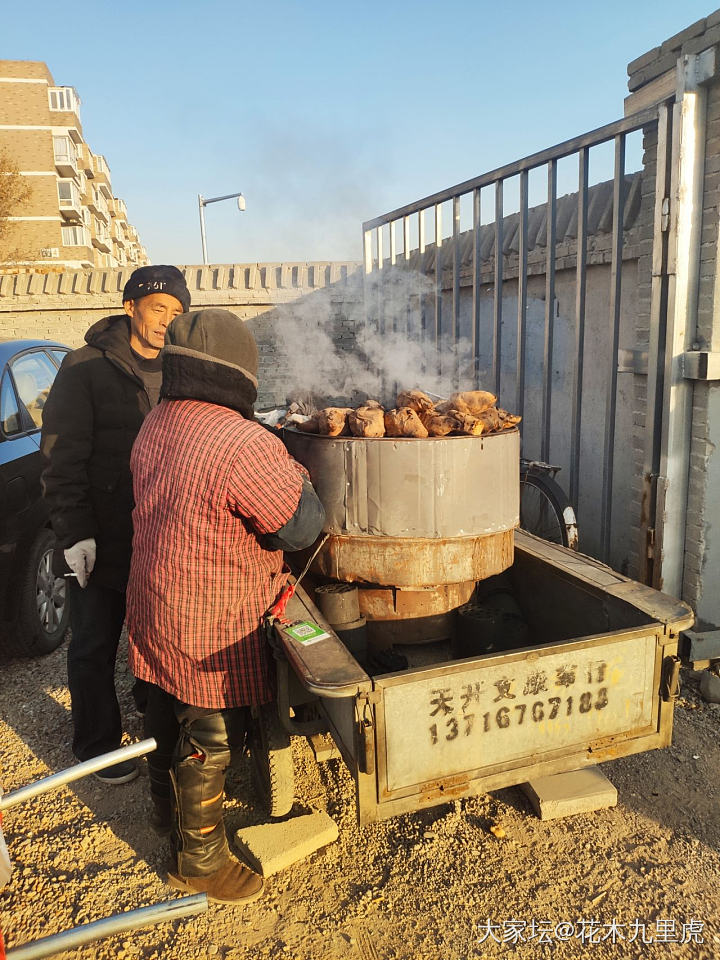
(415, 399)
(508, 420)
(475, 402)
(404, 422)
(367, 421)
(310, 425)
(332, 421)
(467, 423)
(439, 424)
(491, 419)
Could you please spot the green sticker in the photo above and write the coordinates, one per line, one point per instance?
(305, 632)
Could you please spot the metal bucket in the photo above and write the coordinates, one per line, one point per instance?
(414, 512)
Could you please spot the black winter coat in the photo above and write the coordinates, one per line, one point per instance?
(92, 415)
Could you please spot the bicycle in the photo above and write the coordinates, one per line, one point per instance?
(544, 508)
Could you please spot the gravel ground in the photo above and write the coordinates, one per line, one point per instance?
(419, 887)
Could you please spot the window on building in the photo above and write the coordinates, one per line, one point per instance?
(65, 149)
(64, 98)
(68, 194)
(75, 237)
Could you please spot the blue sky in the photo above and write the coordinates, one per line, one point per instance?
(325, 114)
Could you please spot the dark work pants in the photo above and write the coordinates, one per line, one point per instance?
(188, 768)
(96, 618)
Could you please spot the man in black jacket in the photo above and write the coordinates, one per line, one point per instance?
(99, 399)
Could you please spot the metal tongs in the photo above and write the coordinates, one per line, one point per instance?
(277, 610)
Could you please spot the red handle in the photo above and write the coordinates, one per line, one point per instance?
(277, 610)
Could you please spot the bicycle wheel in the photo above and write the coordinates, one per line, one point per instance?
(545, 510)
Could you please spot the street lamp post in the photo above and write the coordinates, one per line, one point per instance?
(202, 203)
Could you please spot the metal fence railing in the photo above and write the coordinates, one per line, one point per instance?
(491, 259)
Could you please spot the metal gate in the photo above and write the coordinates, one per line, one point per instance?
(517, 304)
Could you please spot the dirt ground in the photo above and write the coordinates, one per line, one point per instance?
(632, 881)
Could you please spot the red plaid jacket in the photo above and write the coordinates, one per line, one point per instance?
(206, 482)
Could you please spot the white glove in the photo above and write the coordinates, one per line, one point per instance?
(80, 558)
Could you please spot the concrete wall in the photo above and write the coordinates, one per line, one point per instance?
(596, 370)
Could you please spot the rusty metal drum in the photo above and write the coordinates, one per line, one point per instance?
(414, 512)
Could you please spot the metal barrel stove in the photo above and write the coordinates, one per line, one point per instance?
(415, 523)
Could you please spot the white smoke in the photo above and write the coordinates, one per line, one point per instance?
(344, 343)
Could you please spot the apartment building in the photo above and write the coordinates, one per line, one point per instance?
(72, 218)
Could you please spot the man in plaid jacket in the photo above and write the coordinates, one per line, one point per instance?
(218, 499)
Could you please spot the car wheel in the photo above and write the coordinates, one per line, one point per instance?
(44, 607)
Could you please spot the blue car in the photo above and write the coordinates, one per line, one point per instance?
(34, 611)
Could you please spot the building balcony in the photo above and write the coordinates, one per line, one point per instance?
(97, 203)
(101, 237)
(65, 156)
(102, 172)
(85, 160)
(64, 100)
(102, 243)
(70, 200)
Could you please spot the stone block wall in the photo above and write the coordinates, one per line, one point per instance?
(62, 305)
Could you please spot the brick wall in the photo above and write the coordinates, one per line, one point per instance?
(656, 69)
(24, 103)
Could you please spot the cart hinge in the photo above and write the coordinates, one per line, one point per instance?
(650, 544)
(369, 696)
(670, 679)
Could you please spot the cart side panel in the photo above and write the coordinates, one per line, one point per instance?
(500, 710)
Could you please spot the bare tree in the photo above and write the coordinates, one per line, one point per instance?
(15, 191)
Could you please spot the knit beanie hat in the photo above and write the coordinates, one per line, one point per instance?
(159, 278)
(211, 355)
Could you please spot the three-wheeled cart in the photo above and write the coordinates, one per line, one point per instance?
(594, 680)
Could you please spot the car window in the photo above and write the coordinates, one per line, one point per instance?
(9, 410)
(33, 374)
(59, 355)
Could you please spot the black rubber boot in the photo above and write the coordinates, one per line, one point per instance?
(161, 815)
(198, 840)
